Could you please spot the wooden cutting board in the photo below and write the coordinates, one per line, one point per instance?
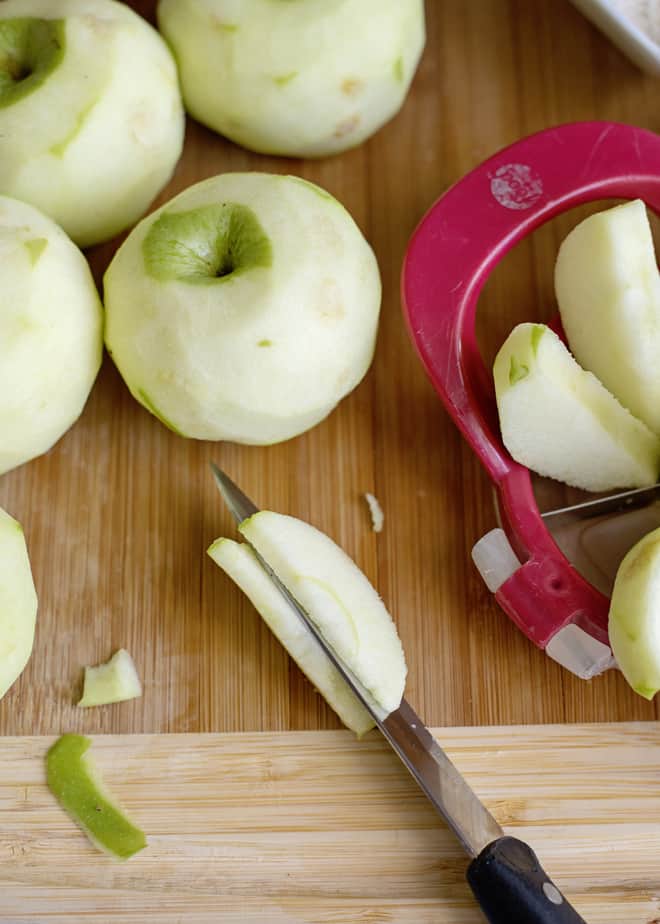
(119, 514)
(318, 828)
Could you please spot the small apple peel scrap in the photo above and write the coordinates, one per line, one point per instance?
(113, 682)
(72, 780)
(376, 512)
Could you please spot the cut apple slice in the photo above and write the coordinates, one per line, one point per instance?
(337, 596)
(634, 622)
(559, 420)
(608, 289)
(113, 682)
(238, 561)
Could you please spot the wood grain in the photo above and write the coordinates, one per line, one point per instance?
(318, 827)
(119, 514)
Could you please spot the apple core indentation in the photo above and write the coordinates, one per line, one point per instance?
(207, 245)
(30, 50)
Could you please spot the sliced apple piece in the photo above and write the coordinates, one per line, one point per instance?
(113, 682)
(76, 786)
(559, 420)
(337, 596)
(238, 561)
(608, 289)
(634, 622)
(18, 602)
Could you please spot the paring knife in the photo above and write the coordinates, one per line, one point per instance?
(504, 874)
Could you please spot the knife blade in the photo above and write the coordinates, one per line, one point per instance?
(505, 874)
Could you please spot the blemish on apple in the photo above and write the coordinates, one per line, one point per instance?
(347, 126)
(283, 79)
(351, 86)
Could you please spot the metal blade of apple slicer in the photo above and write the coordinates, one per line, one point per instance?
(433, 771)
(595, 535)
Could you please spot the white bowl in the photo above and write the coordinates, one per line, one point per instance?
(624, 31)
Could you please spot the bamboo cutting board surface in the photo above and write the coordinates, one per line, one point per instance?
(318, 828)
(119, 514)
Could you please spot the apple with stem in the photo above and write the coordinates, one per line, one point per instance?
(302, 78)
(91, 118)
(559, 420)
(51, 333)
(244, 309)
(18, 602)
(338, 598)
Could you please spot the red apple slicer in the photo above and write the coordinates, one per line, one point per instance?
(449, 258)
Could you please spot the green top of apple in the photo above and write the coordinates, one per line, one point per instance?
(206, 245)
(30, 50)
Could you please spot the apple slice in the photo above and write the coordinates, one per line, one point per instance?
(113, 682)
(634, 622)
(238, 561)
(608, 289)
(76, 786)
(561, 422)
(337, 596)
(18, 602)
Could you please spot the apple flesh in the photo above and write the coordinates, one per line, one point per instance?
(18, 603)
(634, 620)
(113, 682)
(559, 420)
(302, 79)
(244, 309)
(51, 337)
(608, 289)
(337, 596)
(91, 118)
(238, 561)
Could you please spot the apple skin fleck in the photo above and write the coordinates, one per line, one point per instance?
(347, 126)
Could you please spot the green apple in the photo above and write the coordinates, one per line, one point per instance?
(113, 682)
(302, 78)
(239, 562)
(559, 420)
(18, 602)
(91, 118)
(608, 289)
(51, 333)
(634, 622)
(244, 309)
(76, 785)
(338, 598)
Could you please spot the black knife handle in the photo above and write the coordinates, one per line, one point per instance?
(510, 885)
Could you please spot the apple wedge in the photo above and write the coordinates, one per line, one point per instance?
(335, 594)
(238, 561)
(18, 602)
(608, 289)
(634, 620)
(559, 420)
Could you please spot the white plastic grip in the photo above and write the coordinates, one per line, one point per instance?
(571, 647)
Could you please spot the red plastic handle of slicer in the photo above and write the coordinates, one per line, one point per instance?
(453, 251)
